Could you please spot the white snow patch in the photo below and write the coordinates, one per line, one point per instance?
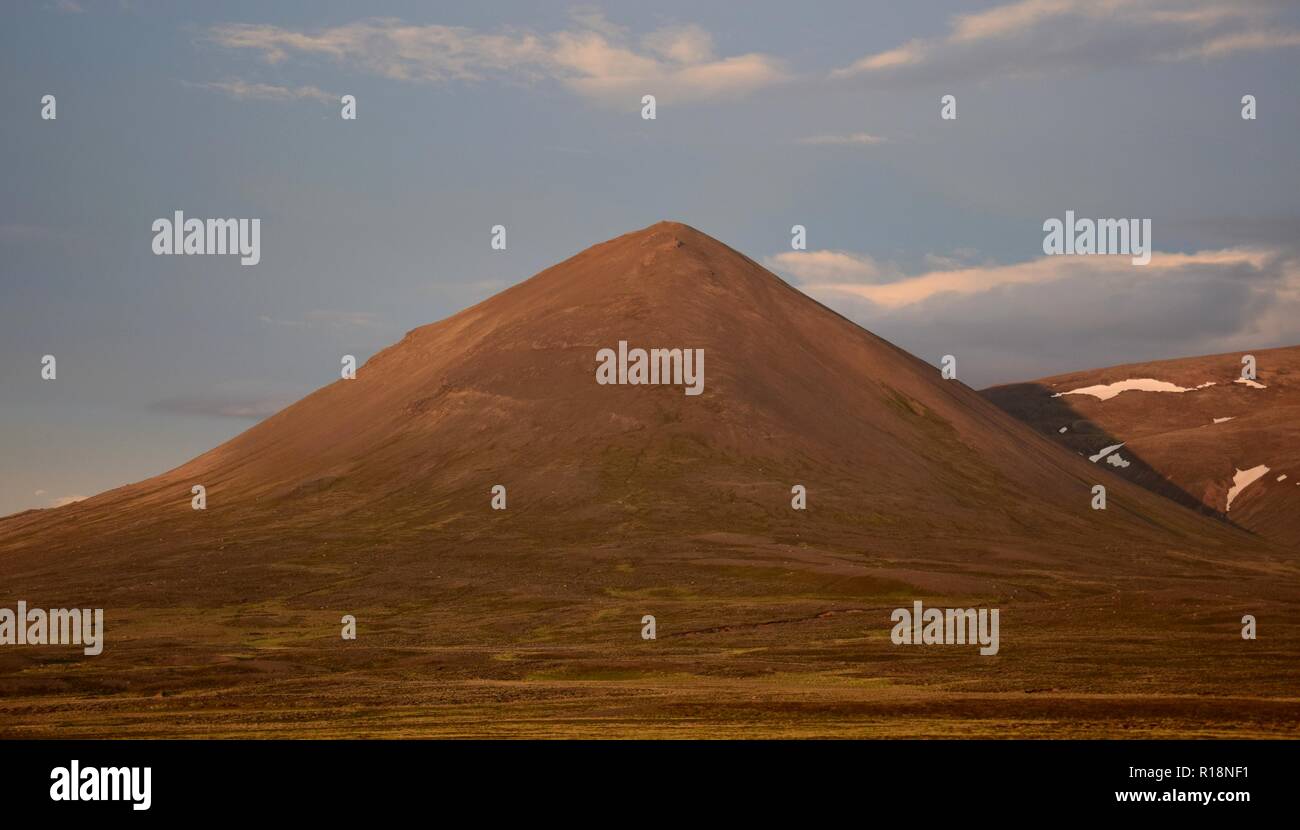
(1251, 383)
(1106, 391)
(1103, 453)
(1282, 477)
(1114, 460)
(1221, 420)
(1062, 429)
(1241, 480)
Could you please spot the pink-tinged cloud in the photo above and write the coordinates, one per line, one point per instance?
(830, 272)
(594, 58)
(1041, 36)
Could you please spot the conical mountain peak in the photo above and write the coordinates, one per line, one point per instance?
(780, 390)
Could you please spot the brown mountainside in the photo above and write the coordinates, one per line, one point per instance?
(1190, 445)
(505, 393)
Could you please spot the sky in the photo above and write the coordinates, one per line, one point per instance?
(927, 231)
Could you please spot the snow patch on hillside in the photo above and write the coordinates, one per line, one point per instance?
(1104, 452)
(1241, 480)
(1106, 391)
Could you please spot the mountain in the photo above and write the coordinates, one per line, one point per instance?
(1192, 429)
(505, 393)
(372, 497)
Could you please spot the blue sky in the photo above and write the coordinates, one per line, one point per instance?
(770, 114)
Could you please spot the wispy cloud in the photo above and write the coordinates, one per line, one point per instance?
(242, 90)
(1038, 36)
(594, 58)
(850, 138)
(1047, 315)
(861, 276)
(833, 267)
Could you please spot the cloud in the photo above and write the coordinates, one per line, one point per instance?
(1008, 322)
(827, 267)
(952, 261)
(593, 58)
(1041, 36)
(66, 7)
(223, 407)
(858, 274)
(851, 138)
(245, 91)
(39, 493)
(1240, 42)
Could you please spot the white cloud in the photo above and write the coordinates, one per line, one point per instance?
(861, 276)
(595, 58)
(908, 54)
(245, 91)
(1034, 36)
(959, 258)
(830, 267)
(681, 44)
(1255, 41)
(1055, 314)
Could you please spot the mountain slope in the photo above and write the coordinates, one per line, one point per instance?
(1194, 446)
(505, 393)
